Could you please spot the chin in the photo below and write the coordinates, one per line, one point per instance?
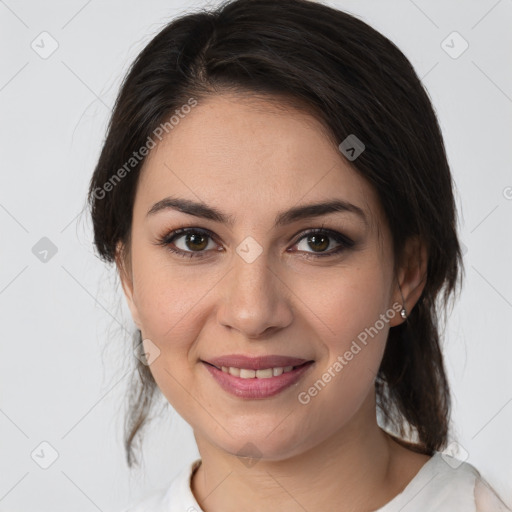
(261, 446)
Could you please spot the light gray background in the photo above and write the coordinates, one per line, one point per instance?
(65, 361)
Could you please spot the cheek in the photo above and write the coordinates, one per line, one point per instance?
(352, 316)
(346, 302)
(168, 310)
(167, 300)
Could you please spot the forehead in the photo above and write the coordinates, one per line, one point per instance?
(250, 155)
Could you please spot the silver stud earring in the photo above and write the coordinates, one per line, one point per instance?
(403, 312)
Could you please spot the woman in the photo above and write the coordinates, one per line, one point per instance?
(275, 193)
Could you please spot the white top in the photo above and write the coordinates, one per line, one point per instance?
(443, 484)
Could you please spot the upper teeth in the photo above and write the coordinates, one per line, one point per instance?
(259, 374)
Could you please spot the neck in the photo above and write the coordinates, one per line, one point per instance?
(351, 470)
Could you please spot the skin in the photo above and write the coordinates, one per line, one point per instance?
(251, 160)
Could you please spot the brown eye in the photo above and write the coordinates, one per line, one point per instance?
(188, 242)
(319, 240)
(195, 241)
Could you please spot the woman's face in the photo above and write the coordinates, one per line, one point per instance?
(248, 285)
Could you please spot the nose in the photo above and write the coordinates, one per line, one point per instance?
(255, 300)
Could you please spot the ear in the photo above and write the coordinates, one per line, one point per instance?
(123, 265)
(411, 277)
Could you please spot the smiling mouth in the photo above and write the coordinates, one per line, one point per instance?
(264, 373)
(262, 383)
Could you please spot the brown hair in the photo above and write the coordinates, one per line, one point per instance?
(357, 82)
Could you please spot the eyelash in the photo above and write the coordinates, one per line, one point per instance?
(168, 239)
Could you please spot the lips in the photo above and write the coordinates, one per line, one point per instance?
(255, 363)
(290, 370)
(251, 389)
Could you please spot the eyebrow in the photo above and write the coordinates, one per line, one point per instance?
(198, 209)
